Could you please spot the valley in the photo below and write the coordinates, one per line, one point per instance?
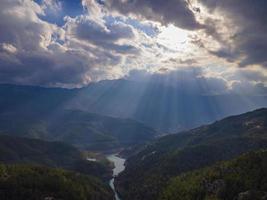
(133, 100)
(84, 130)
(119, 166)
(152, 163)
(153, 105)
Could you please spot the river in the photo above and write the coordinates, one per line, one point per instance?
(118, 168)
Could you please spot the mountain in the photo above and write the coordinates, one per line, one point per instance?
(26, 182)
(23, 99)
(242, 178)
(79, 128)
(154, 165)
(166, 108)
(17, 150)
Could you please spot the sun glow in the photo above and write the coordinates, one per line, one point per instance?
(173, 38)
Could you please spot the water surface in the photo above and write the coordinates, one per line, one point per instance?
(118, 168)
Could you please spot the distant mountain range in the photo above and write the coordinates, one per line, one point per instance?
(117, 114)
(154, 165)
(162, 107)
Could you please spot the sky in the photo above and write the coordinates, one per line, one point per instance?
(72, 43)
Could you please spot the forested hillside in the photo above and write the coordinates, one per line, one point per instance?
(25, 182)
(242, 178)
(82, 129)
(169, 156)
(16, 150)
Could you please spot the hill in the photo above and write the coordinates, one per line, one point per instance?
(79, 128)
(27, 182)
(242, 178)
(155, 164)
(162, 107)
(16, 150)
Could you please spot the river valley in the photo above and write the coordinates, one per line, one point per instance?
(118, 168)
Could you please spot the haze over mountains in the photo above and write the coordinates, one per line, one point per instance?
(97, 118)
(114, 114)
(82, 129)
(166, 108)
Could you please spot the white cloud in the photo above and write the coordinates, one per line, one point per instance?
(102, 44)
(9, 48)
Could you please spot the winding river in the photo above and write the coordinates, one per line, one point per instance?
(118, 168)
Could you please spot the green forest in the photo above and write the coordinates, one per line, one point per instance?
(242, 178)
(26, 182)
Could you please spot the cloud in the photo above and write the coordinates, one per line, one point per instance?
(199, 81)
(49, 43)
(27, 55)
(36, 52)
(103, 35)
(9, 48)
(177, 12)
(247, 88)
(92, 31)
(52, 7)
(246, 20)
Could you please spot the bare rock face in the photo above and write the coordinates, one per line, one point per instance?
(252, 195)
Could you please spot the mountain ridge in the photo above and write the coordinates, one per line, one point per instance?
(241, 178)
(162, 107)
(28, 151)
(155, 164)
(79, 128)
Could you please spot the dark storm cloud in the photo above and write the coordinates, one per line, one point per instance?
(167, 11)
(44, 68)
(250, 17)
